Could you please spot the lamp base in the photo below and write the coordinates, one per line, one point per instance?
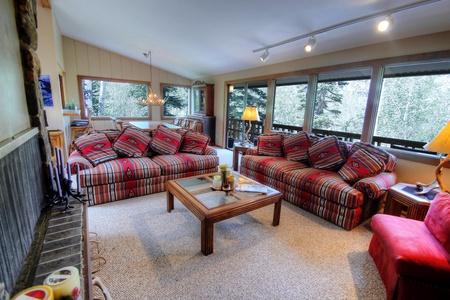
(424, 188)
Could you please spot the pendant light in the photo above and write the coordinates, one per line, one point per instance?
(152, 98)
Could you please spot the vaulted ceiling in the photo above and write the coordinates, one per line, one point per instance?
(201, 38)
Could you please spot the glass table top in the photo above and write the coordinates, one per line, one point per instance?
(201, 189)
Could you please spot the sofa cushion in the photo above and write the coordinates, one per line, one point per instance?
(270, 144)
(296, 146)
(388, 159)
(166, 141)
(185, 163)
(437, 219)
(96, 148)
(325, 184)
(361, 164)
(112, 134)
(194, 142)
(375, 186)
(273, 167)
(119, 170)
(326, 154)
(131, 142)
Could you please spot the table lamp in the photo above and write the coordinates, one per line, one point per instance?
(250, 114)
(440, 144)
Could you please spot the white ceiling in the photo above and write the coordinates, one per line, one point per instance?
(201, 38)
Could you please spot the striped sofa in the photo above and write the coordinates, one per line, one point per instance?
(317, 188)
(117, 172)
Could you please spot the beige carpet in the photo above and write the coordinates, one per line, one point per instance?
(153, 254)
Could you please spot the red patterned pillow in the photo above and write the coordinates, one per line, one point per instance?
(131, 142)
(270, 144)
(437, 219)
(361, 164)
(194, 142)
(296, 146)
(166, 141)
(95, 147)
(326, 154)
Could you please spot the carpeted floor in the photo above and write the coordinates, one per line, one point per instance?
(153, 254)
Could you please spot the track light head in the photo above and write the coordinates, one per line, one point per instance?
(309, 47)
(265, 56)
(385, 24)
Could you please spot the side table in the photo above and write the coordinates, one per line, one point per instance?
(402, 197)
(238, 148)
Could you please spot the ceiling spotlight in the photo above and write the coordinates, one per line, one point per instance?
(265, 56)
(385, 24)
(309, 47)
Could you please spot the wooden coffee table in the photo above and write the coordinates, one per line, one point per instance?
(212, 206)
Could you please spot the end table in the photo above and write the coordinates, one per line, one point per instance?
(402, 197)
(238, 148)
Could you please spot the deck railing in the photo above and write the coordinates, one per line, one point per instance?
(235, 131)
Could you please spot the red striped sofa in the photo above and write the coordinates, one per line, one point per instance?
(127, 177)
(319, 186)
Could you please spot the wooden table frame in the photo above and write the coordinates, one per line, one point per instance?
(236, 150)
(208, 217)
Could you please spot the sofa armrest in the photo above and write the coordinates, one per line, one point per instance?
(375, 186)
(75, 158)
(251, 151)
(210, 151)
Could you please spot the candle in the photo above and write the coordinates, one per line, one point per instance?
(41, 292)
(57, 160)
(78, 179)
(65, 283)
(69, 173)
(61, 164)
(50, 167)
(58, 184)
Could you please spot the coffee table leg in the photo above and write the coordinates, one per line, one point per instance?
(169, 198)
(276, 213)
(207, 237)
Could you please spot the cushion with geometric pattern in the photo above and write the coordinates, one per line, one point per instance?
(361, 164)
(296, 146)
(194, 142)
(270, 144)
(326, 154)
(95, 147)
(131, 142)
(166, 141)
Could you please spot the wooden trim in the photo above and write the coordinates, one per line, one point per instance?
(46, 4)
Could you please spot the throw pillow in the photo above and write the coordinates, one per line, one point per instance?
(378, 152)
(270, 144)
(296, 146)
(437, 219)
(131, 142)
(361, 164)
(326, 154)
(96, 148)
(194, 142)
(166, 141)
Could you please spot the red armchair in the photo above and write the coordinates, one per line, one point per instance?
(413, 257)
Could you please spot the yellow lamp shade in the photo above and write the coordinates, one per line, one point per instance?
(250, 114)
(441, 143)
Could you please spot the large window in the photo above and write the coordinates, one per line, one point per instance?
(113, 98)
(414, 103)
(290, 101)
(177, 100)
(341, 101)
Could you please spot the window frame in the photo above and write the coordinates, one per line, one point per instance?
(161, 87)
(83, 111)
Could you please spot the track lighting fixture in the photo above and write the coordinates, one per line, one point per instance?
(309, 47)
(265, 56)
(385, 24)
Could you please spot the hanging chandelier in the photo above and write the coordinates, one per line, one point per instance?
(152, 98)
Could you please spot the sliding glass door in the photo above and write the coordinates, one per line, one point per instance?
(239, 97)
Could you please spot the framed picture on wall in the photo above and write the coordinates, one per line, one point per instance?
(46, 88)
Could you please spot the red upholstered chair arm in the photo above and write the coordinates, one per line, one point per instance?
(416, 252)
(210, 151)
(75, 158)
(375, 186)
(252, 151)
